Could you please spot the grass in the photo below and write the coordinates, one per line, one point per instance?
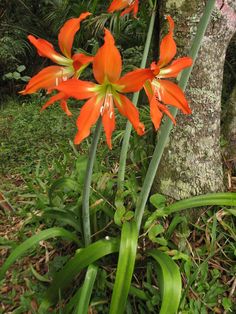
(35, 151)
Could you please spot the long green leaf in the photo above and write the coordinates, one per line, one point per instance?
(64, 217)
(81, 259)
(31, 242)
(86, 290)
(170, 282)
(125, 268)
(223, 199)
(218, 199)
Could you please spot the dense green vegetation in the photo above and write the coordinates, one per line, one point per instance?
(34, 158)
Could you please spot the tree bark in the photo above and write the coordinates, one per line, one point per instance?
(191, 163)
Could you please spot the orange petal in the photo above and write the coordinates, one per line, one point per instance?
(45, 49)
(156, 114)
(156, 108)
(117, 5)
(171, 94)
(67, 33)
(134, 81)
(107, 62)
(77, 89)
(88, 116)
(167, 112)
(149, 90)
(108, 121)
(64, 107)
(53, 99)
(175, 67)
(81, 59)
(127, 109)
(132, 7)
(168, 46)
(47, 78)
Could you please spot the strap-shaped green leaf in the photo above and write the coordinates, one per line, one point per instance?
(169, 280)
(125, 268)
(64, 217)
(81, 259)
(29, 243)
(218, 199)
(86, 291)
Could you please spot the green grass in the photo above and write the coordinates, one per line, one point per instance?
(28, 135)
(35, 151)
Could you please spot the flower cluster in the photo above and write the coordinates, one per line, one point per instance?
(110, 88)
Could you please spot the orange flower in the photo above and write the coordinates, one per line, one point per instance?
(102, 97)
(163, 92)
(128, 5)
(68, 65)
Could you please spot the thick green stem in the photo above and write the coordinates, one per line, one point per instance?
(167, 125)
(125, 144)
(87, 184)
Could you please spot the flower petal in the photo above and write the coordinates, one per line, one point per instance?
(127, 109)
(88, 116)
(45, 49)
(134, 81)
(175, 67)
(80, 59)
(108, 121)
(67, 33)
(168, 46)
(47, 78)
(132, 7)
(156, 108)
(117, 5)
(64, 107)
(155, 113)
(171, 94)
(77, 89)
(57, 97)
(167, 112)
(107, 62)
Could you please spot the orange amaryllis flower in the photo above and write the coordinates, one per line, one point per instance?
(102, 97)
(128, 5)
(163, 92)
(68, 65)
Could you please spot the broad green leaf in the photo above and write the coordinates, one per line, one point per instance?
(158, 200)
(132, 291)
(217, 199)
(86, 291)
(221, 199)
(81, 259)
(125, 268)
(20, 250)
(169, 280)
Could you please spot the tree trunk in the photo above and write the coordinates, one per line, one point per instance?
(191, 163)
